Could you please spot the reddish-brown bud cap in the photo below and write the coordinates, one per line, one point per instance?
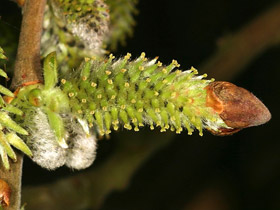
(5, 192)
(236, 106)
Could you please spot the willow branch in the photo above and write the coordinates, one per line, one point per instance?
(237, 51)
(27, 68)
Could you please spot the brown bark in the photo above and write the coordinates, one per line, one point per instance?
(27, 68)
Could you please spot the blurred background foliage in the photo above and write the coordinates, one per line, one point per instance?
(150, 170)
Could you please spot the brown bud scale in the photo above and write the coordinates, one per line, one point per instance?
(236, 106)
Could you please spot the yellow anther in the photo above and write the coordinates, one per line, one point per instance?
(80, 111)
(164, 71)
(84, 100)
(123, 106)
(128, 55)
(110, 81)
(71, 94)
(134, 120)
(136, 129)
(158, 123)
(90, 125)
(113, 97)
(63, 81)
(102, 132)
(157, 110)
(108, 132)
(143, 55)
(127, 126)
(159, 63)
(93, 84)
(164, 81)
(162, 130)
(104, 108)
(108, 72)
(148, 80)
(116, 127)
(123, 70)
(84, 78)
(140, 110)
(141, 125)
(167, 126)
(133, 101)
(111, 56)
(172, 118)
(141, 68)
(126, 84)
(178, 72)
(173, 94)
(99, 96)
(156, 93)
(92, 112)
(152, 127)
(87, 59)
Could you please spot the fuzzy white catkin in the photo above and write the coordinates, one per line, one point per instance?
(46, 150)
(81, 150)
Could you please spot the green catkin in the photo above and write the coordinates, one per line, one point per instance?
(130, 93)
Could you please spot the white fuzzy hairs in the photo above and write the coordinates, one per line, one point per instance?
(48, 154)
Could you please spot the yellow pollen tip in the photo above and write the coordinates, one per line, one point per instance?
(141, 68)
(128, 55)
(93, 84)
(87, 59)
(71, 94)
(126, 84)
(84, 100)
(108, 72)
(148, 80)
(123, 106)
(99, 96)
(84, 78)
(110, 81)
(140, 110)
(123, 70)
(63, 81)
(133, 101)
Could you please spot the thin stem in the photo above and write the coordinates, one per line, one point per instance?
(242, 47)
(27, 68)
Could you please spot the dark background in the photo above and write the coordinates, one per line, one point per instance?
(193, 173)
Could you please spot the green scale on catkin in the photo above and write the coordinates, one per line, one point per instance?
(131, 93)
